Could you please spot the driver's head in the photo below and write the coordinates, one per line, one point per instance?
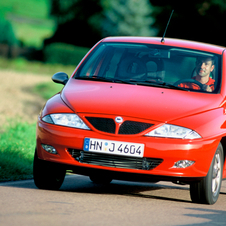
(204, 66)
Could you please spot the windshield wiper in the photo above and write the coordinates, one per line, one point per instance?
(95, 78)
(125, 81)
(103, 79)
(159, 84)
(133, 82)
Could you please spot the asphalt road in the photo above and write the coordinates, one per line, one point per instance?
(81, 202)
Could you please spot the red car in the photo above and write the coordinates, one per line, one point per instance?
(138, 109)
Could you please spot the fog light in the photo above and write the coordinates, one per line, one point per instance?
(183, 164)
(49, 149)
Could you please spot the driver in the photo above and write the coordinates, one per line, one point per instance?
(204, 67)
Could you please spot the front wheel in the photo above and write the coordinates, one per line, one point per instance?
(47, 175)
(207, 191)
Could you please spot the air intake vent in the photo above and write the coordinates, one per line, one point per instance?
(115, 161)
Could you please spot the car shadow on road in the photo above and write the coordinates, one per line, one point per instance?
(81, 184)
(214, 217)
(125, 188)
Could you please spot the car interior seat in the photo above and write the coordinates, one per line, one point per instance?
(131, 68)
(155, 68)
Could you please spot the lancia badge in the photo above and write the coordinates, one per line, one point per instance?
(119, 119)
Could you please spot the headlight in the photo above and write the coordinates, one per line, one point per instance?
(70, 120)
(172, 131)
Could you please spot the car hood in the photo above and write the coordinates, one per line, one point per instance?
(153, 103)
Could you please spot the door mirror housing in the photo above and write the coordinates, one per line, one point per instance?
(60, 77)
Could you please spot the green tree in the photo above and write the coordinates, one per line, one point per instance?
(7, 38)
(7, 34)
(126, 18)
(84, 23)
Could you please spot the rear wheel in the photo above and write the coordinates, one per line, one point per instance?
(207, 191)
(47, 175)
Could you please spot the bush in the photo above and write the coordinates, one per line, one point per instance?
(61, 53)
(7, 34)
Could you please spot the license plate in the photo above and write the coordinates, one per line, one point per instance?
(113, 147)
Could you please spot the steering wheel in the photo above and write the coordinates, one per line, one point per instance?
(189, 80)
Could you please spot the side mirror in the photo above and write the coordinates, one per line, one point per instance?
(60, 77)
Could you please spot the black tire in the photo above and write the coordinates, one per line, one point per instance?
(100, 179)
(207, 191)
(47, 175)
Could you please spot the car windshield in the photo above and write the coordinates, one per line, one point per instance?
(153, 65)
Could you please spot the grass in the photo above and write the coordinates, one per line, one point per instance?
(30, 20)
(32, 8)
(17, 140)
(17, 145)
(48, 89)
(33, 34)
(22, 65)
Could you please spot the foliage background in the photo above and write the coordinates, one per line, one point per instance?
(200, 20)
(38, 23)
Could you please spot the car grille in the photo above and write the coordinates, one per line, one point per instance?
(127, 128)
(115, 161)
(130, 127)
(103, 124)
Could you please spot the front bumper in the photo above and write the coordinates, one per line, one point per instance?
(168, 151)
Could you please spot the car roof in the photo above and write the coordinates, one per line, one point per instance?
(169, 42)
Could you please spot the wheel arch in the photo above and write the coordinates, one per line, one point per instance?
(223, 142)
